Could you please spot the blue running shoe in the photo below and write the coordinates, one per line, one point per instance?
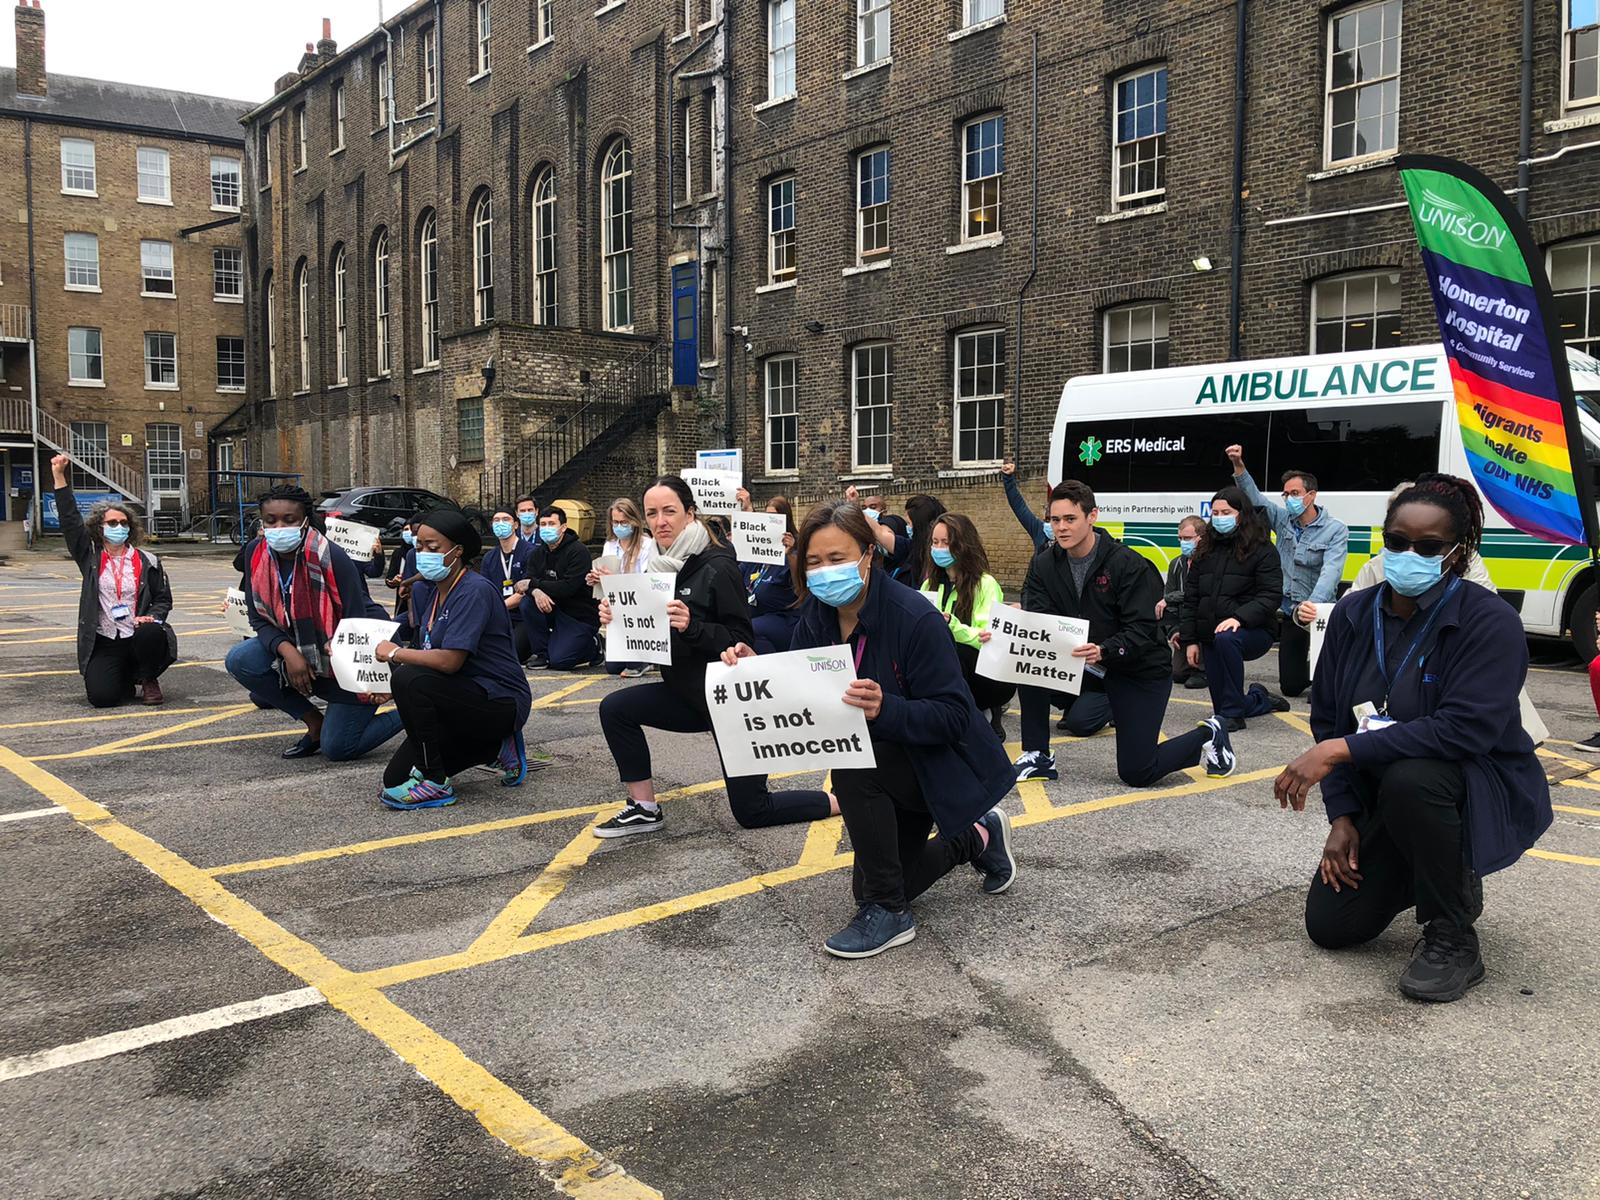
(997, 864)
(418, 792)
(1036, 764)
(874, 930)
(513, 760)
(1218, 756)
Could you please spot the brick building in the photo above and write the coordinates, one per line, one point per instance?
(923, 216)
(121, 283)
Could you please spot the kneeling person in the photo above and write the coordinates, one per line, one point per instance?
(564, 617)
(458, 686)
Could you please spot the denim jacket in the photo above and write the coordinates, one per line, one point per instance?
(1312, 555)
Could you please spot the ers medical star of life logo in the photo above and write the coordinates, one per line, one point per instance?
(1090, 450)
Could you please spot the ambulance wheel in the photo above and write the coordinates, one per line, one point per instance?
(1581, 623)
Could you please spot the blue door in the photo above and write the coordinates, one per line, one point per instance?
(686, 325)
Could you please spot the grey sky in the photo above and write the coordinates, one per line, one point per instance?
(231, 48)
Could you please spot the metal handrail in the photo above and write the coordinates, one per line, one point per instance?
(15, 325)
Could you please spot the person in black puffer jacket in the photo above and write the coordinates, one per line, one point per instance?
(1230, 606)
(709, 613)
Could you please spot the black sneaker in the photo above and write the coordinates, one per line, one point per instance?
(1279, 703)
(538, 663)
(1235, 724)
(1589, 745)
(997, 864)
(1197, 681)
(634, 818)
(874, 930)
(1444, 965)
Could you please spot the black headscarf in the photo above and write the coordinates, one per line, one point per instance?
(454, 525)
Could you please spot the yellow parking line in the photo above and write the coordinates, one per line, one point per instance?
(1034, 798)
(562, 1159)
(1295, 721)
(1585, 784)
(1576, 859)
(550, 698)
(129, 715)
(514, 919)
(183, 745)
(151, 735)
(215, 662)
(1576, 811)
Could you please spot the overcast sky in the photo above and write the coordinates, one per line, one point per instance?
(230, 48)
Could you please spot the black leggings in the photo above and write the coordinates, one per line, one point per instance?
(116, 665)
(986, 693)
(626, 714)
(451, 724)
(1138, 706)
(889, 822)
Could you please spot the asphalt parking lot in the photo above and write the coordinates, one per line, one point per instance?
(226, 975)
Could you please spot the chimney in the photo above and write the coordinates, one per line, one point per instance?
(308, 60)
(327, 47)
(30, 49)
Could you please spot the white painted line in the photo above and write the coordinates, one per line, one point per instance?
(110, 1044)
(31, 813)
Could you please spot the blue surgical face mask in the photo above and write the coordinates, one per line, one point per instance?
(836, 586)
(1295, 504)
(549, 534)
(528, 519)
(622, 532)
(502, 529)
(408, 537)
(1187, 545)
(870, 513)
(942, 556)
(1224, 524)
(910, 528)
(115, 534)
(285, 538)
(432, 566)
(1045, 525)
(1409, 573)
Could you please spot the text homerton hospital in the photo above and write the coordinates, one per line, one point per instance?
(1394, 377)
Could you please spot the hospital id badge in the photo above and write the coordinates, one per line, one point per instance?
(508, 588)
(1370, 717)
(120, 612)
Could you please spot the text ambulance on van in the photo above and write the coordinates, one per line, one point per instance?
(1150, 444)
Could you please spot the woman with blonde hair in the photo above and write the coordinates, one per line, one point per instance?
(631, 549)
(124, 642)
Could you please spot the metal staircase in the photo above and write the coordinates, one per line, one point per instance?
(550, 461)
(14, 416)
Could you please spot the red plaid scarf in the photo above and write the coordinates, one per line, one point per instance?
(314, 606)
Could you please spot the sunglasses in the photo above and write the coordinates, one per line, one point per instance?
(1427, 547)
(118, 524)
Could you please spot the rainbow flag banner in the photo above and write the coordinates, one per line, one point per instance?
(1519, 422)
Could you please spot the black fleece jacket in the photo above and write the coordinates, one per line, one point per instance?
(561, 572)
(1221, 587)
(1119, 601)
(712, 586)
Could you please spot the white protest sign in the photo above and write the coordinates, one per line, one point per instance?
(1035, 648)
(786, 712)
(730, 462)
(934, 597)
(354, 667)
(355, 540)
(639, 631)
(238, 616)
(1319, 630)
(758, 537)
(715, 492)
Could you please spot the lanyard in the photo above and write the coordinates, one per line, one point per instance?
(1405, 659)
(433, 614)
(117, 565)
(861, 648)
(506, 564)
(286, 588)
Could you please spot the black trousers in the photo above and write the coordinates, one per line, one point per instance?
(522, 640)
(889, 823)
(451, 724)
(1294, 657)
(1411, 853)
(115, 665)
(986, 693)
(1138, 706)
(626, 714)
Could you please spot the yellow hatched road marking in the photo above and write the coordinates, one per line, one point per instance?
(1585, 784)
(215, 662)
(1576, 859)
(550, 698)
(183, 745)
(145, 714)
(151, 735)
(1576, 811)
(563, 1159)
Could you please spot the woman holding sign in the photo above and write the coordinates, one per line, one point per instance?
(457, 686)
(938, 763)
(1428, 777)
(505, 567)
(708, 614)
(124, 641)
(1086, 573)
(627, 551)
(961, 587)
(298, 587)
(773, 614)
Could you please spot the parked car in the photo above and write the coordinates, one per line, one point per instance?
(387, 508)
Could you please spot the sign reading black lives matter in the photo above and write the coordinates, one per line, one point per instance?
(1036, 648)
(715, 492)
(786, 712)
(238, 614)
(639, 631)
(354, 666)
(758, 537)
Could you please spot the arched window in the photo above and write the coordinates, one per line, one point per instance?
(428, 282)
(545, 308)
(302, 288)
(616, 236)
(341, 321)
(380, 298)
(270, 291)
(483, 260)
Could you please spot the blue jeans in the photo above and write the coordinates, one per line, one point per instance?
(565, 641)
(350, 728)
(1225, 659)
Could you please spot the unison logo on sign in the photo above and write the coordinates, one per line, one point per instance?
(1459, 221)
